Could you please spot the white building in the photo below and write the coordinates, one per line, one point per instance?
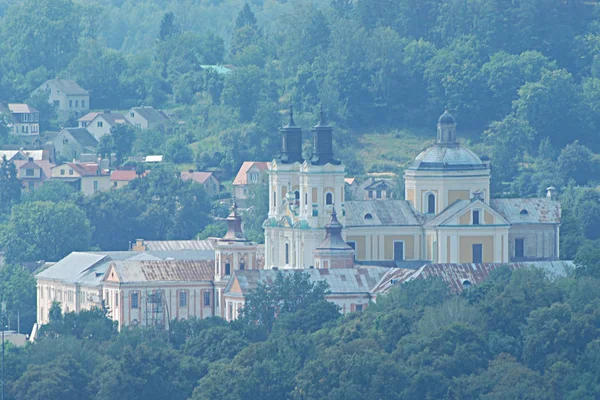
(69, 99)
(103, 122)
(146, 117)
(21, 119)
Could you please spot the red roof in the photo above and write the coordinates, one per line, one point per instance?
(242, 176)
(45, 165)
(87, 169)
(199, 177)
(124, 175)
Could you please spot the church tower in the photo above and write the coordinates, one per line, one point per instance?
(233, 251)
(334, 252)
(445, 172)
(302, 193)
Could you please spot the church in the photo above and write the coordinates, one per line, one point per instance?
(447, 217)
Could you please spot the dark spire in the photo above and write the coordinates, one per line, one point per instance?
(291, 124)
(234, 225)
(291, 142)
(323, 143)
(333, 235)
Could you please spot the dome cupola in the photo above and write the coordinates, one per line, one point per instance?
(446, 129)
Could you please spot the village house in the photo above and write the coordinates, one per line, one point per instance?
(88, 178)
(146, 117)
(103, 122)
(375, 189)
(120, 177)
(207, 179)
(33, 174)
(84, 121)
(21, 119)
(251, 174)
(71, 143)
(69, 99)
(24, 155)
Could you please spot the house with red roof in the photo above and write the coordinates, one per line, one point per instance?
(32, 173)
(89, 178)
(207, 179)
(250, 173)
(120, 177)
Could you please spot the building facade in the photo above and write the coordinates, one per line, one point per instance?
(69, 99)
(21, 119)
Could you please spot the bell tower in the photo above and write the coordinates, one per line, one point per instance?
(334, 252)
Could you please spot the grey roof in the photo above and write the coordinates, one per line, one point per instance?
(113, 118)
(88, 268)
(72, 267)
(447, 157)
(82, 136)
(178, 245)
(133, 271)
(150, 114)
(449, 211)
(340, 280)
(67, 86)
(527, 211)
(385, 212)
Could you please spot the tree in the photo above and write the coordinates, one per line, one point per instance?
(177, 151)
(10, 186)
(587, 259)
(243, 89)
(245, 18)
(168, 27)
(43, 230)
(17, 289)
(123, 137)
(289, 293)
(575, 162)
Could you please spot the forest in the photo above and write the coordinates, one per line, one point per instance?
(520, 335)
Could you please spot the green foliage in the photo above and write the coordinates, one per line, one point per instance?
(43, 230)
(10, 186)
(122, 136)
(17, 289)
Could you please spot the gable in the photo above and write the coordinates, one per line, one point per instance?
(111, 275)
(464, 215)
(235, 286)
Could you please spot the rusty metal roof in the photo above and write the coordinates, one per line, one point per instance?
(528, 211)
(377, 213)
(460, 276)
(130, 271)
(178, 245)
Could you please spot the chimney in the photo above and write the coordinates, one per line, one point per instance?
(139, 245)
(552, 193)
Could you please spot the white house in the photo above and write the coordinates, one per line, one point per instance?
(103, 122)
(251, 173)
(70, 99)
(71, 143)
(22, 119)
(146, 117)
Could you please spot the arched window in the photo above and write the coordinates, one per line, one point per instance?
(431, 203)
(297, 196)
(368, 216)
(287, 253)
(329, 199)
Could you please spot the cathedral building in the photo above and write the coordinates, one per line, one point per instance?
(448, 215)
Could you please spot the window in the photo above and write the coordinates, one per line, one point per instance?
(353, 245)
(31, 185)
(388, 194)
(274, 199)
(287, 253)
(34, 128)
(70, 172)
(76, 103)
(242, 265)
(183, 298)
(329, 199)
(431, 203)
(29, 172)
(227, 269)
(370, 194)
(115, 184)
(475, 217)
(359, 307)
(132, 114)
(95, 186)
(62, 171)
(135, 300)
(379, 194)
(477, 253)
(206, 299)
(65, 141)
(99, 124)
(398, 251)
(116, 299)
(83, 103)
(70, 103)
(305, 198)
(520, 248)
